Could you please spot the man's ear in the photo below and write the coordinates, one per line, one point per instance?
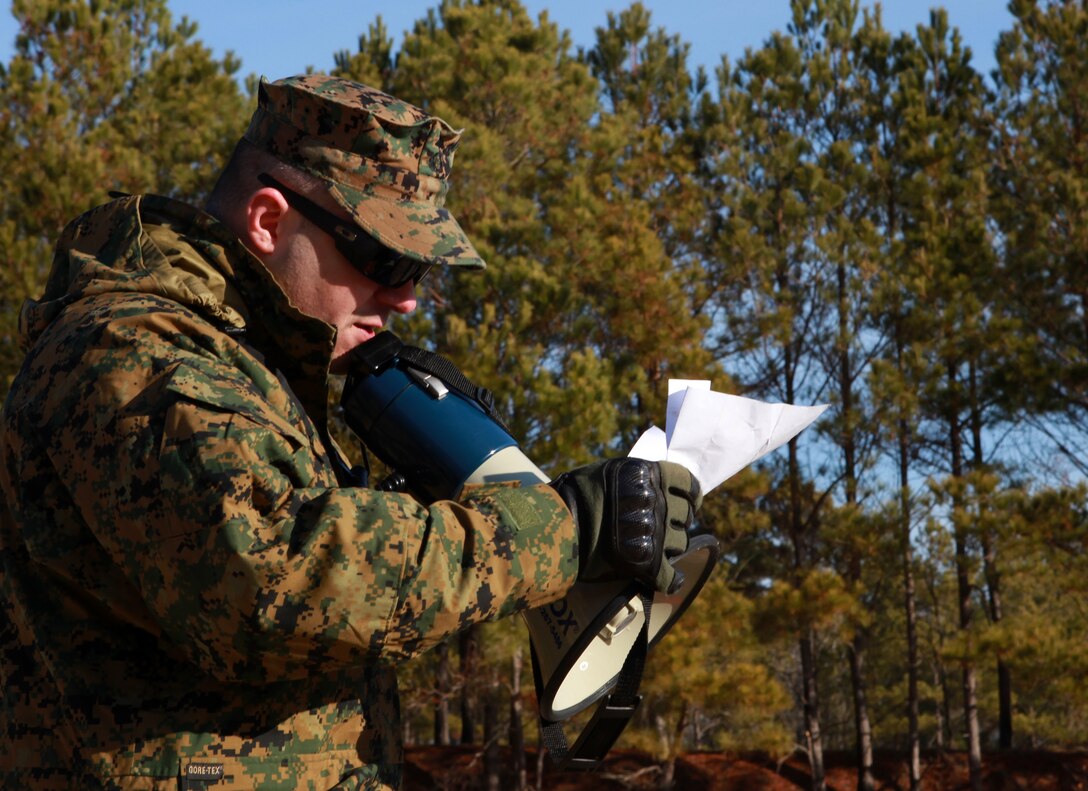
(265, 212)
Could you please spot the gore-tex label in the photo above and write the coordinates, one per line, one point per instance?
(209, 773)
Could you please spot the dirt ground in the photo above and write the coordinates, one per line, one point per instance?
(460, 769)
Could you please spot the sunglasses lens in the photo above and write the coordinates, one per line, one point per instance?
(395, 271)
(378, 262)
(403, 269)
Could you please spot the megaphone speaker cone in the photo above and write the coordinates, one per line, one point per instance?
(695, 565)
(581, 642)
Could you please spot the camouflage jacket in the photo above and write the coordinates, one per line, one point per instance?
(188, 598)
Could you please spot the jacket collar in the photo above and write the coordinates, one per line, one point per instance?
(154, 244)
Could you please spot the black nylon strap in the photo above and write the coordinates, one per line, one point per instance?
(357, 476)
(611, 715)
(451, 376)
(386, 347)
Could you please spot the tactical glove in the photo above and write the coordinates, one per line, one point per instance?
(632, 516)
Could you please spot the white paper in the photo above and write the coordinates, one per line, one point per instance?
(678, 389)
(716, 435)
(651, 445)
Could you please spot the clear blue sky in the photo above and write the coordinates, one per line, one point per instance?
(277, 38)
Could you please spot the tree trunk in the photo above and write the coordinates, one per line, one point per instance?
(970, 712)
(992, 574)
(810, 693)
(862, 725)
(912, 662)
(813, 740)
(517, 732)
(910, 608)
(944, 707)
(540, 751)
(469, 645)
(1004, 677)
(1004, 699)
(668, 769)
(442, 704)
(965, 589)
(492, 757)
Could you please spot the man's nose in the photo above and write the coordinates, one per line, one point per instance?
(401, 299)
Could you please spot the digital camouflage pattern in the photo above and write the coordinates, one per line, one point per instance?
(384, 160)
(190, 598)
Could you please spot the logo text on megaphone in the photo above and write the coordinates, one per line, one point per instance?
(560, 620)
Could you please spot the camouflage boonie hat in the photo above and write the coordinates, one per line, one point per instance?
(385, 161)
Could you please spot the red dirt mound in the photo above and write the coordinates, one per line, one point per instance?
(462, 769)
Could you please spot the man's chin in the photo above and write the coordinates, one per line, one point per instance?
(351, 338)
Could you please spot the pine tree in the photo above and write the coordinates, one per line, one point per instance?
(891, 309)
(1041, 152)
(525, 104)
(100, 96)
(1045, 532)
(844, 247)
(766, 171)
(951, 264)
(708, 685)
(372, 64)
(520, 96)
(651, 312)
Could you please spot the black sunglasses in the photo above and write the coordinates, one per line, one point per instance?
(381, 264)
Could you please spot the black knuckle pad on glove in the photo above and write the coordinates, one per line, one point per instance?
(632, 516)
(637, 514)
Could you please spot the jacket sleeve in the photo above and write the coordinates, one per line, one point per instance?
(220, 511)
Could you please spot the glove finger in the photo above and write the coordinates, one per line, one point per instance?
(680, 487)
(667, 580)
(680, 513)
(676, 541)
(690, 492)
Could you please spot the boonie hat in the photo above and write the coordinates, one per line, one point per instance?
(384, 160)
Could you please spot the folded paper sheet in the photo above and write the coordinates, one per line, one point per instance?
(715, 435)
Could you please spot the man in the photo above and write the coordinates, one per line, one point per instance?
(196, 591)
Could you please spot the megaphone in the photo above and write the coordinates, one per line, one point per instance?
(581, 641)
(417, 413)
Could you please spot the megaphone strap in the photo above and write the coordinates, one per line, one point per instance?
(609, 718)
(386, 347)
(450, 374)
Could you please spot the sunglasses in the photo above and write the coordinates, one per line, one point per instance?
(381, 264)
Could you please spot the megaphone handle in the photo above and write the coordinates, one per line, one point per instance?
(611, 715)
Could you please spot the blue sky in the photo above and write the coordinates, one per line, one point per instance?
(277, 38)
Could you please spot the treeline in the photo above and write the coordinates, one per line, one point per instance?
(842, 215)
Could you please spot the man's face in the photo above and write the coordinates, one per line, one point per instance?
(323, 284)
